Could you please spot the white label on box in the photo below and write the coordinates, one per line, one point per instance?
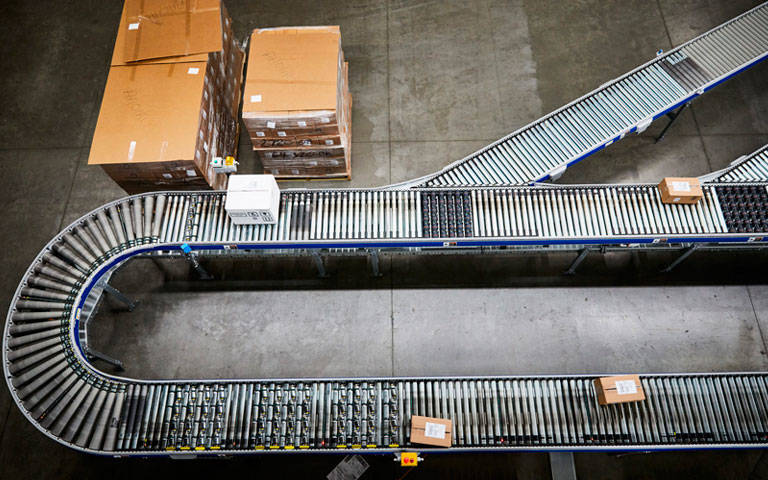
(681, 186)
(434, 430)
(133, 26)
(193, 70)
(191, 173)
(255, 98)
(259, 134)
(626, 387)
(167, 175)
(270, 124)
(329, 142)
(131, 149)
(324, 119)
(280, 134)
(302, 123)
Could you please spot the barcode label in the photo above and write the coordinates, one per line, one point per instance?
(626, 387)
(434, 430)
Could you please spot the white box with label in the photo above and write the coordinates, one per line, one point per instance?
(252, 199)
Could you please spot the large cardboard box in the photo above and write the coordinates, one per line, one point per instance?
(431, 431)
(293, 77)
(297, 98)
(172, 96)
(680, 190)
(619, 389)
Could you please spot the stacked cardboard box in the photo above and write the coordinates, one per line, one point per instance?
(297, 107)
(172, 96)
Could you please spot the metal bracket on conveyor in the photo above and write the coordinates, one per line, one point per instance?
(672, 117)
(686, 253)
(577, 261)
(131, 304)
(374, 254)
(321, 273)
(92, 354)
(192, 258)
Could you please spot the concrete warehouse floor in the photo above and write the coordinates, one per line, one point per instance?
(432, 82)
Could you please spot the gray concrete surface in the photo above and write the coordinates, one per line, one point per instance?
(431, 82)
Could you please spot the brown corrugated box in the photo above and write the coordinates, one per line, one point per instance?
(293, 71)
(680, 190)
(431, 431)
(628, 389)
(287, 162)
(167, 31)
(166, 114)
(297, 99)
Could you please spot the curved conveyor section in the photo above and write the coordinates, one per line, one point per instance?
(543, 149)
(69, 400)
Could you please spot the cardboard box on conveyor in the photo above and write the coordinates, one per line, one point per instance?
(297, 106)
(172, 97)
(619, 389)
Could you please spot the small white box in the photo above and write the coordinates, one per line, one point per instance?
(252, 199)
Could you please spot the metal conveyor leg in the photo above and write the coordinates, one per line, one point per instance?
(192, 258)
(672, 117)
(582, 255)
(562, 466)
(95, 354)
(120, 296)
(375, 263)
(687, 253)
(319, 264)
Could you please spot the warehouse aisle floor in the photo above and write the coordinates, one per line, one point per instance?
(431, 82)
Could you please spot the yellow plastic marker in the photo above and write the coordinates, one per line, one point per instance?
(409, 459)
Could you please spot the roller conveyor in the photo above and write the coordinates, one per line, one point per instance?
(543, 149)
(50, 378)
(749, 168)
(68, 399)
